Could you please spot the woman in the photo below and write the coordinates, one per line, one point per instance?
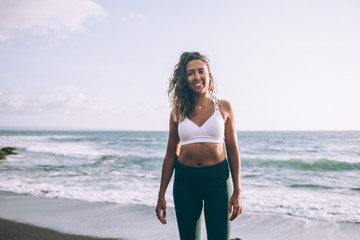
(201, 132)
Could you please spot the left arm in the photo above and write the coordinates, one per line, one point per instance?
(231, 144)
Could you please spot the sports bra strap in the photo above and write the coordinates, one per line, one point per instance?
(216, 105)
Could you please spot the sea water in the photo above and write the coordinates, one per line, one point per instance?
(314, 175)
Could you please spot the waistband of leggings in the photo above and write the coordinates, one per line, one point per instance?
(201, 169)
(214, 173)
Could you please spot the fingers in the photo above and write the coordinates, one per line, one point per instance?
(161, 210)
(234, 215)
(161, 217)
(236, 210)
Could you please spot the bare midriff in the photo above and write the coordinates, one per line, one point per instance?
(201, 154)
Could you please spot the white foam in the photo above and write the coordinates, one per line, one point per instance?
(114, 186)
(123, 221)
(126, 169)
(65, 149)
(325, 206)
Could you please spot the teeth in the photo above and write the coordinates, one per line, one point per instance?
(198, 84)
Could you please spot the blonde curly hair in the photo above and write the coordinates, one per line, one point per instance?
(180, 95)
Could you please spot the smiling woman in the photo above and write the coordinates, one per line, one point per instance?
(184, 80)
(201, 127)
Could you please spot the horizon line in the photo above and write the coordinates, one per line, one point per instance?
(4, 128)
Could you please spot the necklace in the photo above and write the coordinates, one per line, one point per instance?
(201, 106)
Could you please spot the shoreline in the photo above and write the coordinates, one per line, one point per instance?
(93, 219)
(11, 230)
(78, 220)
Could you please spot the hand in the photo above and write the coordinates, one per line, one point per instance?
(161, 206)
(235, 206)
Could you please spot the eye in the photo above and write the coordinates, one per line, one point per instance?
(201, 71)
(189, 73)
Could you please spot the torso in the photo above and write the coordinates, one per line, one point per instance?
(202, 154)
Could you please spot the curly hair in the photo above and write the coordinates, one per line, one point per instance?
(180, 95)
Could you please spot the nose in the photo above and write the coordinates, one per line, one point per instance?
(197, 76)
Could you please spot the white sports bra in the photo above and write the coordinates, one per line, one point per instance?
(212, 131)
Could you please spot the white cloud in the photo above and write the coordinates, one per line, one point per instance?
(46, 16)
(15, 101)
(68, 101)
(131, 16)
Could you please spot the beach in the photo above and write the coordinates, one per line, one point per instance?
(17, 231)
(91, 97)
(295, 185)
(114, 221)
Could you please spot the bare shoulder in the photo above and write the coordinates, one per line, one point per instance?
(224, 105)
(172, 115)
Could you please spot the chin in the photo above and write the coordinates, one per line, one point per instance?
(199, 92)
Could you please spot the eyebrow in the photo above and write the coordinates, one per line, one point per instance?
(191, 70)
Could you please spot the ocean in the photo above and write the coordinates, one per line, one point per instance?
(314, 175)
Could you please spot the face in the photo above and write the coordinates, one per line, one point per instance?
(198, 76)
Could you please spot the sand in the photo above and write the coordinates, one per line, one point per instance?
(17, 231)
(55, 217)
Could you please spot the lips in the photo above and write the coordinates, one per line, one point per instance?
(198, 84)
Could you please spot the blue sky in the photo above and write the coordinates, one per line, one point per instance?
(80, 64)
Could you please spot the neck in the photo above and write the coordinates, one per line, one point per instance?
(201, 99)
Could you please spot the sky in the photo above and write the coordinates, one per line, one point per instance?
(105, 65)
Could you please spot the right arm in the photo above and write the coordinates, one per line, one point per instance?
(172, 151)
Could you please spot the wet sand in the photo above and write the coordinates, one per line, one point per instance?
(18, 231)
(55, 217)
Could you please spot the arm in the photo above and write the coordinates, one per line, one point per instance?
(172, 151)
(231, 143)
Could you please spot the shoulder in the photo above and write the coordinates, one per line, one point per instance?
(172, 118)
(224, 105)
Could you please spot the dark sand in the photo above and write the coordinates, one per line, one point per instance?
(19, 231)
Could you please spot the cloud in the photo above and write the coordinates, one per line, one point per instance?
(15, 101)
(68, 101)
(46, 16)
(131, 16)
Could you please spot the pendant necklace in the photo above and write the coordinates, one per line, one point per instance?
(201, 106)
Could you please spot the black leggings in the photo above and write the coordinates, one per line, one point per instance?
(195, 187)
